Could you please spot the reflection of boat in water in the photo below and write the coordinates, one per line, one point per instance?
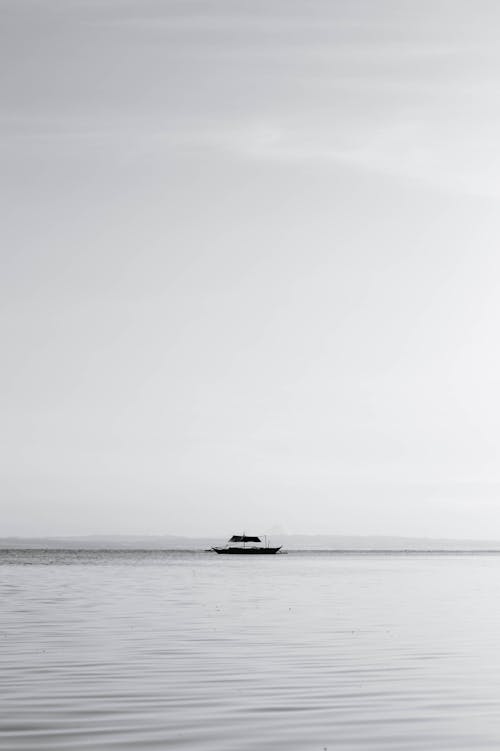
(244, 548)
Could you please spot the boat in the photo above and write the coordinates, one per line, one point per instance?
(246, 545)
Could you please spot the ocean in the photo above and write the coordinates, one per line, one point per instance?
(304, 652)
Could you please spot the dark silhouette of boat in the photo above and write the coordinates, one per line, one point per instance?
(244, 548)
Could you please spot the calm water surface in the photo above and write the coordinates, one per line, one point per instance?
(153, 650)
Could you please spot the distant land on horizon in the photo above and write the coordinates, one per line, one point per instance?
(290, 542)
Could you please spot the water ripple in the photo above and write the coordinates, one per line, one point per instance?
(142, 651)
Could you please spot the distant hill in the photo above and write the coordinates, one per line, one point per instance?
(290, 542)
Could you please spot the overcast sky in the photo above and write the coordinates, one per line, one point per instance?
(250, 266)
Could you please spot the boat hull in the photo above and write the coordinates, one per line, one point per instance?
(247, 551)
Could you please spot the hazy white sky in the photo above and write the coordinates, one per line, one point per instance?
(250, 266)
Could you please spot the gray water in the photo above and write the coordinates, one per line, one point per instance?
(152, 650)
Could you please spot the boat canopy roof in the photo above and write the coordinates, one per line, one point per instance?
(244, 538)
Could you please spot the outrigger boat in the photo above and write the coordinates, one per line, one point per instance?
(244, 549)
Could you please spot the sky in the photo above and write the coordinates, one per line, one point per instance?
(250, 267)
